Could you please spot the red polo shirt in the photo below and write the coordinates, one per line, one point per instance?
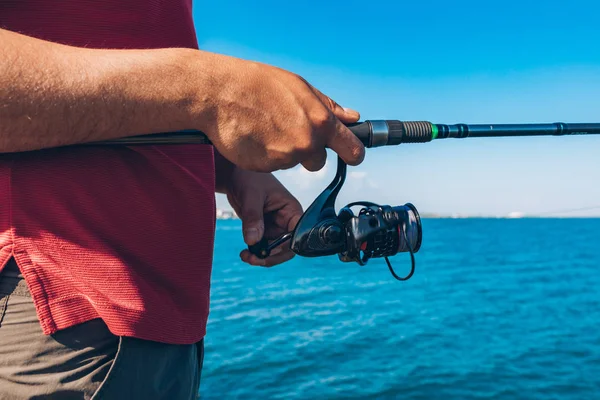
(122, 233)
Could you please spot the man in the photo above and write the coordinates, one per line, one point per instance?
(106, 251)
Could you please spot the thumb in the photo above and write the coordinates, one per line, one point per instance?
(253, 225)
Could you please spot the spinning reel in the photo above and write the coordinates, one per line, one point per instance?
(376, 231)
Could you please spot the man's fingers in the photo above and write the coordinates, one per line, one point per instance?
(346, 144)
(342, 140)
(252, 219)
(316, 161)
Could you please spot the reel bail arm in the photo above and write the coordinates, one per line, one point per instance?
(318, 232)
(376, 231)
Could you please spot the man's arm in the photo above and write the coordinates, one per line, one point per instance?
(53, 95)
(259, 117)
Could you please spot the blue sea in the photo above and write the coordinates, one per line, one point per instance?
(497, 309)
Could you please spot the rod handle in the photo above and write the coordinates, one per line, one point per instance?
(376, 133)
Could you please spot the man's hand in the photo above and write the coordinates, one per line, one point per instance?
(265, 208)
(266, 119)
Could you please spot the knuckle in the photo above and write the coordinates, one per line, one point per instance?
(322, 118)
(331, 103)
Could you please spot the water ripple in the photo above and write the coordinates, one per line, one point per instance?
(506, 315)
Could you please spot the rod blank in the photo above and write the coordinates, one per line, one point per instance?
(515, 130)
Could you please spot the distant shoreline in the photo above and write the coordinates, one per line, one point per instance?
(223, 215)
(526, 217)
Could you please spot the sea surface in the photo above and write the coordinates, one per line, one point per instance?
(497, 309)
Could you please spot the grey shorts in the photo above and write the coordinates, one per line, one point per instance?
(85, 361)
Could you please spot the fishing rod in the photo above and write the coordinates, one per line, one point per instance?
(375, 231)
(377, 133)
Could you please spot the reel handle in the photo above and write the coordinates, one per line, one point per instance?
(263, 248)
(260, 249)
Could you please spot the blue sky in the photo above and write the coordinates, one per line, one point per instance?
(446, 62)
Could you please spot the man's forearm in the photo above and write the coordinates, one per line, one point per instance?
(54, 95)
